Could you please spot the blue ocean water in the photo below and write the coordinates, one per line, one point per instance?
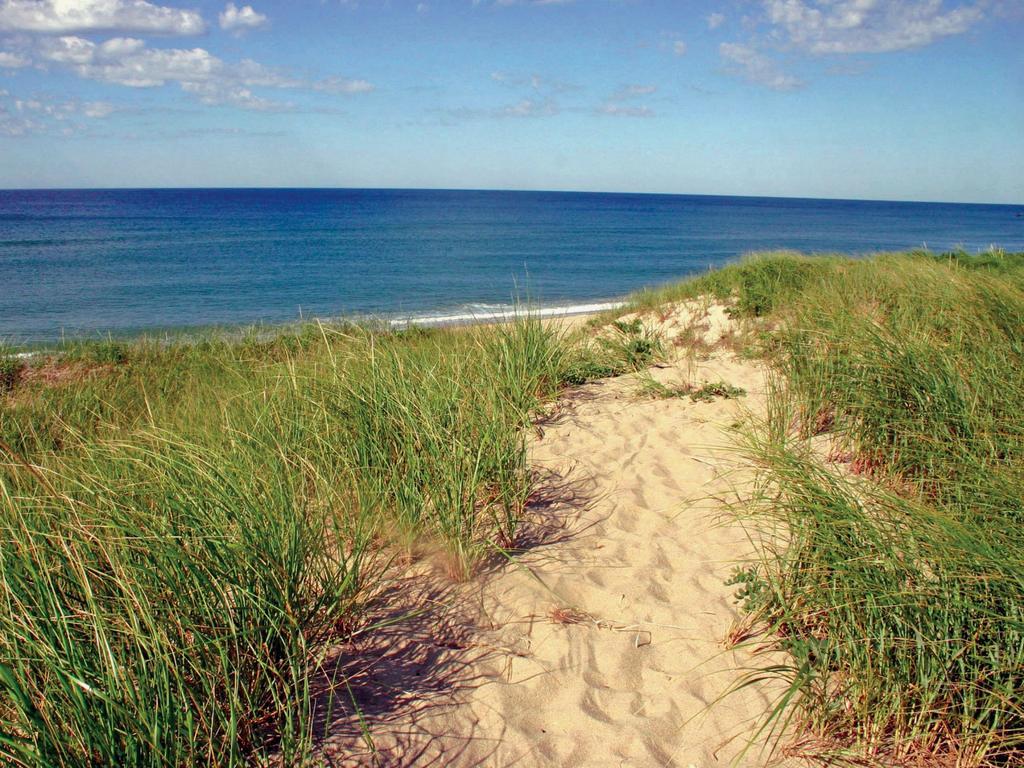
(121, 261)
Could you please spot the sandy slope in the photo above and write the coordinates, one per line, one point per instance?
(603, 643)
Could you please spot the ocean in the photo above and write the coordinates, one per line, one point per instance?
(97, 262)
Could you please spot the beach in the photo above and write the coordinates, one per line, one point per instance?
(511, 384)
(735, 520)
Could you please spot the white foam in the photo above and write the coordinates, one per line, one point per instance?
(482, 313)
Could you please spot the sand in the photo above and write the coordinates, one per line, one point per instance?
(604, 643)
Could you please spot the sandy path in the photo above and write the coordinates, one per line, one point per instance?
(603, 645)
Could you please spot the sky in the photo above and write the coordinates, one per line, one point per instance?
(877, 99)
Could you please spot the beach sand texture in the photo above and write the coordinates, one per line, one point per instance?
(604, 643)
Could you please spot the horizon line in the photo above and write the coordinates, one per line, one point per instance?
(498, 190)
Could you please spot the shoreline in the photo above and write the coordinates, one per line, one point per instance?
(505, 314)
(487, 314)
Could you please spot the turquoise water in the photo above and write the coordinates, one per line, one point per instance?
(122, 261)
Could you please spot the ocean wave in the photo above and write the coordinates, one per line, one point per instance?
(476, 313)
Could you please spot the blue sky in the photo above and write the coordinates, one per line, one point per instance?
(888, 99)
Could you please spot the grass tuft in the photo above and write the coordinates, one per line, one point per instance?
(10, 371)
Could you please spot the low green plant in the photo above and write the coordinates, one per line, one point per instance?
(648, 386)
(709, 390)
(631, 346)
(611, 349)
(589, 366)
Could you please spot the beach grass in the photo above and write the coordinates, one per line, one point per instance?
(185, 528)
(889, 501)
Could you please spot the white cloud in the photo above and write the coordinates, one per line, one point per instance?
(747, 62)
(633, 91)
(126, 63)
(45, 115)
(841, 27)
(342, 85)
(715, 20)
(16, 125)
(866, 26)
(12, 60)
(118, 47)
(679, 48)
(217, 93)
(98, 109)
(210, 79)
(524, 108)
(624, 110)
(235, 19)
(529, 108)
(534, 82)
(62, 110)
(68, 49)
(541, 97)
(67, 16)
(615, 105)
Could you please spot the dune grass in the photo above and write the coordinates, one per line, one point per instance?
(895, 578)
(185, 528)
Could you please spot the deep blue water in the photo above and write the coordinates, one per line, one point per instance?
(99, 261)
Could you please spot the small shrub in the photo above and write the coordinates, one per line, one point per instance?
(10, 372)
(634, 327)
(633, 346)
(588, 368)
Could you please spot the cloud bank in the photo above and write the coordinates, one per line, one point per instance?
(867, 26)
(831, 28)
(76, 16)
(130, 62)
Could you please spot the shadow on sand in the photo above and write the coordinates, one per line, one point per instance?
(378, 697)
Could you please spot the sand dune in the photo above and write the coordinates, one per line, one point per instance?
(604, 643)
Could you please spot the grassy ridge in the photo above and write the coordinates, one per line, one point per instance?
(897, 586)
(184, 528)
